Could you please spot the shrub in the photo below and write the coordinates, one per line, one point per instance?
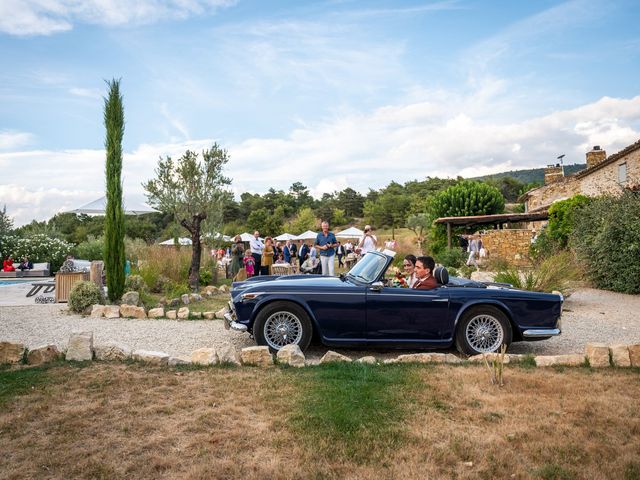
(83, 295)
(606, 238)
(135, 283)
(554, 273)
(38, 247)
(452, 257)
(91, 249)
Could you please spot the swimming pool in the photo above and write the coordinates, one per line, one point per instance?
(4, 283)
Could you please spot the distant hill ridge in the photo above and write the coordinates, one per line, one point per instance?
(532, 175)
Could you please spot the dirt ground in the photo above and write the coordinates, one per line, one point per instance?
(132, 421)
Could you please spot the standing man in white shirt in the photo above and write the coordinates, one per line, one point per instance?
(256, 245)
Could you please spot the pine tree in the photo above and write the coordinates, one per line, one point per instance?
(114, 257)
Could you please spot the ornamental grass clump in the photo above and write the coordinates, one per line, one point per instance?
(554, 273)
(83, 295)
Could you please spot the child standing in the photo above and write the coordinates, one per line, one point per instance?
(249, 263)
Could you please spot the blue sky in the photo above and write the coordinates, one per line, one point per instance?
(331, 93)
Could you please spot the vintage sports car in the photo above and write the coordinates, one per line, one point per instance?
(358, 309)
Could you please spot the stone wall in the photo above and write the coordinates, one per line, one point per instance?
(511, 245)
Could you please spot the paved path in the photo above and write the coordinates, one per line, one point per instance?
(590, 316)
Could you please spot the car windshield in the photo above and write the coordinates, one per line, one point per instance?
(369, 268)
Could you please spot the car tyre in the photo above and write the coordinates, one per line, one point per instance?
(483, 329)
(282, 323)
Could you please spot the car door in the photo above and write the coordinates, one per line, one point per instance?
(406, 315)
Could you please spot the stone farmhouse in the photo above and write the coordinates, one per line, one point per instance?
(603, 176)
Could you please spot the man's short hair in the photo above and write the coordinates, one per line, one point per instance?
(428, 262)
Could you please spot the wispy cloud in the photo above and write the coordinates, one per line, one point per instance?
(412, 10)
(92, 93)
(10, 140)
(47, 17)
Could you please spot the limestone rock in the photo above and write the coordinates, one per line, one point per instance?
(572, 360)
(223, 289)
(131, 311)
(172, 314)
(490, 358)
(220, 313)
(210, 290)
(598, 354)
(259, 356)
(390, 361)
(154, 358)
(173, 361)
(183, 313)
(634, 355)
(174, 302)
(112, 311)
(185, 299)
(43, 354)
(209, 315)
(291, 355)
(483, 276)
(80, 346)
(332, 356)
(369, 359)
(113, 352)
(195, 297)
(156, 312)
(131, 298)
(97, 311)
(11, 352)
(196, 314)
(227, 354)
(204, 356)
(415, 358)
(620, 355)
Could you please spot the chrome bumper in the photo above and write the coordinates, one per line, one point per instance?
(541, 333)
(231, 324)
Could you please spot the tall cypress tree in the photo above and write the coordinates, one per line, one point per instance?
(114, 258)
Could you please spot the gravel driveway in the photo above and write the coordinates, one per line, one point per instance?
(589, 316)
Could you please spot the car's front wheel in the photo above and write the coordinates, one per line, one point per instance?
(483, 329)
(283, 323)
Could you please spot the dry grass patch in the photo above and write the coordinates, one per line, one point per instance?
(397, 421)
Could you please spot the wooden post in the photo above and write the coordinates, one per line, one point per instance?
(95, 273)
(448, 235)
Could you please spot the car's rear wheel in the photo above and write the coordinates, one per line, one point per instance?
(483, 329)
(283, 323)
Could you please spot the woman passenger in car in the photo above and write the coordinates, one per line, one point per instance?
(409, 265)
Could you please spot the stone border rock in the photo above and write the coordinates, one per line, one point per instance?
(81, 348)
(183, 313)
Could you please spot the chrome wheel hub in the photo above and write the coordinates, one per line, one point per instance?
(484, 333)
(282, 328)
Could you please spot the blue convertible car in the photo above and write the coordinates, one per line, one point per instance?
(358, 309)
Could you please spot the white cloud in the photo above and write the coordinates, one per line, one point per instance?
(46, 17)
(10, 140)
(439, 137)
(92, 93)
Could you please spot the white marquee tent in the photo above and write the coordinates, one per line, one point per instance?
(308, 235)
(351, 232)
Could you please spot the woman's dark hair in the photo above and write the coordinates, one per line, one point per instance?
(411, 258)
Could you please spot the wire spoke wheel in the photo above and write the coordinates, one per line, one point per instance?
(282, 328)
(484, 333)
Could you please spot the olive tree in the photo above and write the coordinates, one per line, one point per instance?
(192, 190)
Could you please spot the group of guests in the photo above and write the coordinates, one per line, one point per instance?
(25, 264)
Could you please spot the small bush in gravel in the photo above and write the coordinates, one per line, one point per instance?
(83, 295)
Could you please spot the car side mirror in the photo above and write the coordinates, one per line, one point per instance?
(377, 286)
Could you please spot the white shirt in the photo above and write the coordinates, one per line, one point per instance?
(368, 243)
(313, 252)
(256, 246)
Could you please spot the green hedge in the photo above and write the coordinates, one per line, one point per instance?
(606, 238)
